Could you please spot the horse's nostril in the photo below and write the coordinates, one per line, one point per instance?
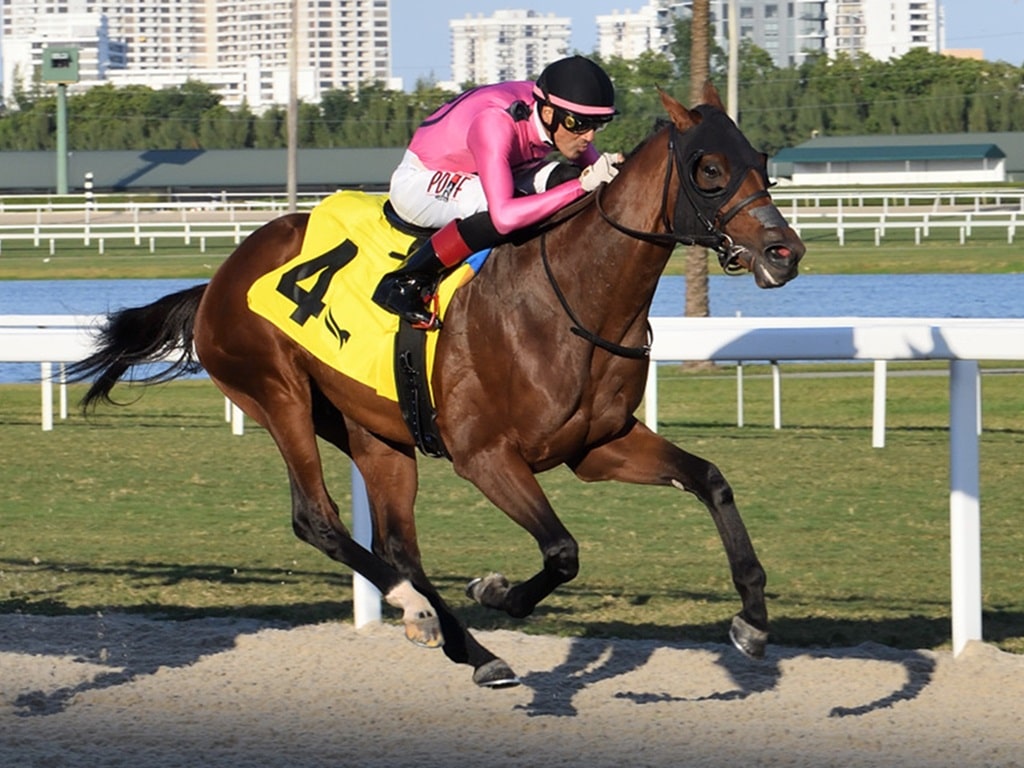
(783, 253)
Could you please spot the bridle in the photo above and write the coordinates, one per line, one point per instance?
(685, 151)
(695, 208)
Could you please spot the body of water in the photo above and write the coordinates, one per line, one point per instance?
(807, 296)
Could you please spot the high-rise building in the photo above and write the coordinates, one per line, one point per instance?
(791, 30)
(788, 30)
(509, 45)
(884, 29)
(239, 46)
(630, 33)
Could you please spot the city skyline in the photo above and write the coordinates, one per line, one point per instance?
(420, 38)
(421, 41)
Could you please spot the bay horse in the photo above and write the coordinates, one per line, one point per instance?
(541, 362)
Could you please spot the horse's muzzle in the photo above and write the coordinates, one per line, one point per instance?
(779, 262)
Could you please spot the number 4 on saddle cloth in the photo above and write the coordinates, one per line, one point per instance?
(321, 300)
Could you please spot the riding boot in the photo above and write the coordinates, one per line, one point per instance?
(407, 291)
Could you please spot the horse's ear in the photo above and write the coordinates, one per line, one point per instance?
(711, 96)
(683, 118)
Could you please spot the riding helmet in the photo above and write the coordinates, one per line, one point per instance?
(578, 85)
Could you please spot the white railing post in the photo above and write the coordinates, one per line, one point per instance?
(46, 386)
(776, 395)
(964, 504)
(63, 390)
(365, 596)
(651, 397)
(978, 403)
(878, 411)
(739, 393)
(237, 420)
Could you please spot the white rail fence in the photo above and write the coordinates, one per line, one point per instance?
(958, 224)
(923, 225)
(138, 233)
(101, 220)
(972, 198)
(963, 342)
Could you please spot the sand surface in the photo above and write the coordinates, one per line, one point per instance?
(125, 690)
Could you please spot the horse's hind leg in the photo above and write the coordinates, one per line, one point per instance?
(284, 408)
(390, 474)
(640, 456)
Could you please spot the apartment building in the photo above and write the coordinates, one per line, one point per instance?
(630, 33)
(508, 45)
(788, 30)
(884, 29)
(239, 46)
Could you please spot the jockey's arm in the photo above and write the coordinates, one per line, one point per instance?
(491, 140)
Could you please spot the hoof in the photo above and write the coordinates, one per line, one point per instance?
(489, 591)
(424, 632)
(495, 674)
(750, 641)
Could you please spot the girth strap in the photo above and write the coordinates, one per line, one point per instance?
(414, 390)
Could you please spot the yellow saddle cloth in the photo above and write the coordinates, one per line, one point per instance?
(321, 298)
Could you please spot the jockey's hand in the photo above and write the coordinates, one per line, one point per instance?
(601, 171)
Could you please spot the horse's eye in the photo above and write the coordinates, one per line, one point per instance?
(712, 177)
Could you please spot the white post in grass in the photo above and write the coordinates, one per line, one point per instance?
(964, 503)
(365, 596)
(878, 412)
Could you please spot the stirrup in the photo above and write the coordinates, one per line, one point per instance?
(434, 323)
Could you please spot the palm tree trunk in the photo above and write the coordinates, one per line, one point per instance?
(697, 304)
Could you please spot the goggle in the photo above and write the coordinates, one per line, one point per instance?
(579, 124)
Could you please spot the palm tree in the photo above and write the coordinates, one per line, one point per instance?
(696, 257)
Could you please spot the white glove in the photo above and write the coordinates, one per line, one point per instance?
(601, 171)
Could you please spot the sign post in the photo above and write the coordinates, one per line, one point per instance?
(60, 66)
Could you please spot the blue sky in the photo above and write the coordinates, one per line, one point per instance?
(421, 43)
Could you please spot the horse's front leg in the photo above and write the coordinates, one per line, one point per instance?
(508, 482)
(641, 456)
(391, 479)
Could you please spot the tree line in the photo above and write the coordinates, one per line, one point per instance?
(920, 92)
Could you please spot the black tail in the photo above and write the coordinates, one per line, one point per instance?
(141, 335)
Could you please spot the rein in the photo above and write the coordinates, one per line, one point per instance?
(715, 238)
(634, 353)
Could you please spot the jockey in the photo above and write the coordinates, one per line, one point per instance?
(476, 169)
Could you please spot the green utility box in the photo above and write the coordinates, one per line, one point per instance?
(60, 65)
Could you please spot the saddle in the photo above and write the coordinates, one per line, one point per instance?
(321, 300)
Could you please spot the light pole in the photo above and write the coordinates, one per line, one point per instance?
(292, 115)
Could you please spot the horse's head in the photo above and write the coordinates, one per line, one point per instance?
(723, 196)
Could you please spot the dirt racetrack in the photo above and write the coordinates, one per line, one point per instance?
(123, 690)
